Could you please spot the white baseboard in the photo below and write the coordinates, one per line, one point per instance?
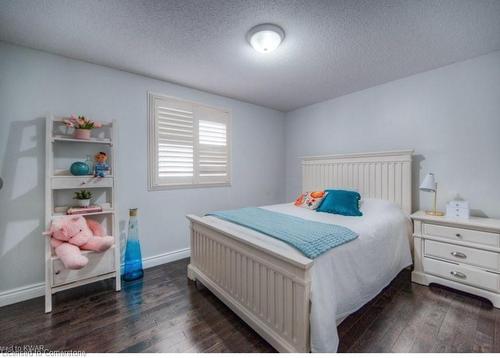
(166, 257)
(22, 293)
(38, 289)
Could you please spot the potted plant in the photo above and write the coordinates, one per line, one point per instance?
(83, 198)
(82, 125)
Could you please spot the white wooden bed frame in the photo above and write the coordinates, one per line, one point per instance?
(271, 291)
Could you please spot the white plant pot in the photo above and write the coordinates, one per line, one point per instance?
(84, 203)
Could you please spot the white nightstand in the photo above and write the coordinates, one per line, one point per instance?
(460, 253)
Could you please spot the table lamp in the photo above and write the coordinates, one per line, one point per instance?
(429, 185)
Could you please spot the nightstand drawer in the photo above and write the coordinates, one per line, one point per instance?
(463, 274)
(487, 259)
(449, 232)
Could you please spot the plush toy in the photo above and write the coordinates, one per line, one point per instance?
(101, 168)
(70, 234)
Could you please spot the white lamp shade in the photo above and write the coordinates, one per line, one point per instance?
(429, 183)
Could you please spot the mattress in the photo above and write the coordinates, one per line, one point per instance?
(348, 276)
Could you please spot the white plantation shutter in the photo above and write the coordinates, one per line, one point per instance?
(213, 154)
(189, 144)
(175, 141)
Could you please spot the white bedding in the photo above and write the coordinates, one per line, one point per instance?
(347, 277)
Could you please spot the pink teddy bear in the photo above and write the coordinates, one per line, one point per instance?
(70, 234)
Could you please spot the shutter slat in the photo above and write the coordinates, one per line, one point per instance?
(213, 174)
(212, 149)
(175, 151)
(175, 135)
(213, 130)
(208, 148)
(175, 175)
(170, 158)
(164, 117)
(173, 165)
(166, 142)
(212, 134)
(182, 148)
(175, 158)
(213, 169)
(172, 114)
(209, 154)
(175, 170)
(167, 134)
(184, 156)
(176, 111)
(212, 142)
(213, 161)
(175, 126)
(212, 157)
(172, 120)
(212, 137)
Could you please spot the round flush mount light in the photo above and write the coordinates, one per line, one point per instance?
(265, 37)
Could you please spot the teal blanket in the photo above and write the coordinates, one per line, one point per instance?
(312, 238)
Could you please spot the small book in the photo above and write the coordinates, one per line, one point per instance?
(79, 211)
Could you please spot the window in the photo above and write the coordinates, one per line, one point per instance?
(189, 144)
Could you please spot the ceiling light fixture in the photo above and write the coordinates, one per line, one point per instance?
(265, 37)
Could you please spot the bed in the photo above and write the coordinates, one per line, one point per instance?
(293, 302)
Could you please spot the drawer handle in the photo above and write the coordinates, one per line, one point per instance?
(57, 272)
(458, 254)
(458, 235)
(459, 274)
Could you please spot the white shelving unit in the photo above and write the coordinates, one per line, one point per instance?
(60, 184)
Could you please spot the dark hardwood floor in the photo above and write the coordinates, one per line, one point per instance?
(167, 313)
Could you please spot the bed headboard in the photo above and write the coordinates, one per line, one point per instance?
(380, 175)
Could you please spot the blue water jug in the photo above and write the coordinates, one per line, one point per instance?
(133, 259)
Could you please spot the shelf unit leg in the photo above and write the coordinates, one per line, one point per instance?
(48, 301)
(118, 282)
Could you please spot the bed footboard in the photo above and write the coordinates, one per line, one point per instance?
(268, 290)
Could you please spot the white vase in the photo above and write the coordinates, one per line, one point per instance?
(84, 203)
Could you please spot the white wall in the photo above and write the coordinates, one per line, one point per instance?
(33, 83)
(450, 116)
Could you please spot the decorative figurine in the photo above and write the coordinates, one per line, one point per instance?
(100, 167)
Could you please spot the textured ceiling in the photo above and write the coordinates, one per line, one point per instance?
(331, 47)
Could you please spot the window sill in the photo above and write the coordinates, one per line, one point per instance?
(161, 187)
